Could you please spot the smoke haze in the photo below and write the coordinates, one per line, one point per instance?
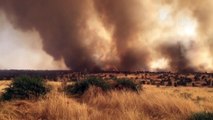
(171, 35)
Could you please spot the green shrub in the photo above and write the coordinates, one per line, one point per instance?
(127, 84)
(117, 84)
(25, 87)
(82, 86)
(202, 116)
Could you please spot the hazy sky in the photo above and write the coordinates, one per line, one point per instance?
(23, 49)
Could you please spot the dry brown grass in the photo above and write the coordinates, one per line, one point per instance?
(201, 96)
(129, 105)
(3, 85)
(151, 104)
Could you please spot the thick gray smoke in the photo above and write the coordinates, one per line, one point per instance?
(176, 54)
(63, 27)
(61, 23)
(122, 15)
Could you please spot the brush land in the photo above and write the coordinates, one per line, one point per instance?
(152, 103)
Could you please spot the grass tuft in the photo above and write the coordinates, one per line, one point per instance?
(80, 87)
(202, 116)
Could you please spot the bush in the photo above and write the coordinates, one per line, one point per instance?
(127, 84)
(202, 116)
(116, 84)
(25, 87)
(81, 87)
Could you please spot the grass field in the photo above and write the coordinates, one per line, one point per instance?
(153, 103)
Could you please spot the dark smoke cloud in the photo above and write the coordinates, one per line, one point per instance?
(122, 16)
(176, 54)
(61, 24)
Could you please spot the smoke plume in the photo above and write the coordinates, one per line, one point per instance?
(123, 16)
(119, 34)
(176, 54)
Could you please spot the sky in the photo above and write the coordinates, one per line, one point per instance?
(23, 50)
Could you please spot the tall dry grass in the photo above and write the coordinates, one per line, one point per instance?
(3, 85)
(133, 106)
(151, 104)
(201, 96)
